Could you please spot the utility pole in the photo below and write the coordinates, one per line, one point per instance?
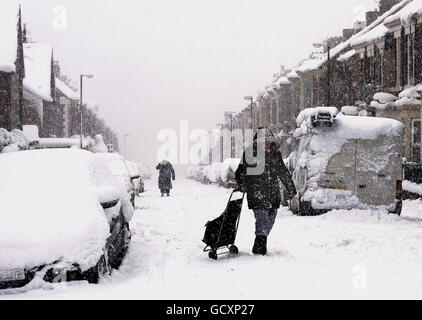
(89, 76)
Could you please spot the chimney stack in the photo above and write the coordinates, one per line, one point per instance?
(386, 5)
(371, 16)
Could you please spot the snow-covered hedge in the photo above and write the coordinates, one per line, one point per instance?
(216, 173)
(412, 187)
(12, 141)
(408, 97)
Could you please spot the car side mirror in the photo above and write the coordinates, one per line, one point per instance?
(135, 177)
(109, 204)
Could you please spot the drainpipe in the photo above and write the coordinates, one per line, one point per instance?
(415, 21)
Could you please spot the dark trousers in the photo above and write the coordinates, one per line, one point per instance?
(265, 219)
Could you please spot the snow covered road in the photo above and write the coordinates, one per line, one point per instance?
(358, 255)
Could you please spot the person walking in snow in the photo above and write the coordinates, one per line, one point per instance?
(167, 174)
(259, 177)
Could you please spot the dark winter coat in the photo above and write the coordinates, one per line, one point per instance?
(166, 175)
(263, 190)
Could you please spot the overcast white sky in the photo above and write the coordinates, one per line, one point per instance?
(159, 62)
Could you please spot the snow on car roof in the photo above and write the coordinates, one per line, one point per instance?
(9, 10)
(348, 127)
(353, 127)
(50, 209)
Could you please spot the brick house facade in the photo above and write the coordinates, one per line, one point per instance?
(11, 79)
(384, 56)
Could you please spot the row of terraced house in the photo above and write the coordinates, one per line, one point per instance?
(33, 91)
(374, 68)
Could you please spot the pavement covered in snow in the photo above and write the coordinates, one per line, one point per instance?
(343, 254)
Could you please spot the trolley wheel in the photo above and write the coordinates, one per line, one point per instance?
(234, 250)
(213, 255)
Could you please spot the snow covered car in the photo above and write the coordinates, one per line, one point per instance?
(346, 162)
(135, 172)
(63, 217)
(120, 170)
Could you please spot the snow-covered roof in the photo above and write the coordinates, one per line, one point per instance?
(375, 34)
(346, 56)
(311, 63)
(354, 40)
(66, 90)
(38, 57)
(9, 10)
(283, 81)
(293, 75)
(406, 14)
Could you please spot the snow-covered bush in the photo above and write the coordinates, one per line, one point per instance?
(12, 141)
(408, 97)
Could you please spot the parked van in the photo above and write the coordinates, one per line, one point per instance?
(346, 162)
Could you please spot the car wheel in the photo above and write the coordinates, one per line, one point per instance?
(305, 208)
(399, 208)
(213, 255)
(120, 245)
(101, 268)
(234, 250)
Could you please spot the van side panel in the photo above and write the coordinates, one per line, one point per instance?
(340, 171)
(378, 167)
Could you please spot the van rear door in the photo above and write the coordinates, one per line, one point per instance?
(378, 167)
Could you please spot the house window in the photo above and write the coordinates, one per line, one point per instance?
(268, 109)
(411, 59)
(280, 109)
(274, 112)
(416, 141)
(297, 101)
(308, 95)
(288, 106)
(405, 60)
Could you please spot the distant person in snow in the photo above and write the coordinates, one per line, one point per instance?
(166, 175)
(262, 186)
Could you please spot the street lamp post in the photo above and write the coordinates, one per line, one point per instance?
(89, 76)
(251, 99)
(124, 143)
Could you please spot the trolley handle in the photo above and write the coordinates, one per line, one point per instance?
(235, 191)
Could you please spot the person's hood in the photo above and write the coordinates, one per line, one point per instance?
(164, 162)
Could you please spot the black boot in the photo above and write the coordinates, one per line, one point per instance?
(260, 246)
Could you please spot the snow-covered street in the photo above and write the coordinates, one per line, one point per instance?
(358, 255)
